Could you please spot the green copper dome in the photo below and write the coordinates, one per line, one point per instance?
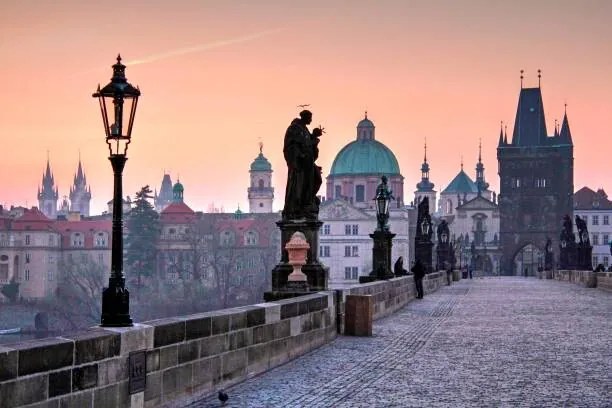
(365, 157)
(261, 163)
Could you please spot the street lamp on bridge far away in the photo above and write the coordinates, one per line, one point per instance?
(117, 98)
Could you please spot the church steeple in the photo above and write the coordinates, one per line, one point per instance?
(425, 188)
(501, 134)
(481, 184)
(48, 194)
(80, 193)
(365, 128)
(260, 192)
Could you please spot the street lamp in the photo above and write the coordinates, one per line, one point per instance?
(382, 237)
(116, 98)
(383, 199)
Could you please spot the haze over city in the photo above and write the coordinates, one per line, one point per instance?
(219, 77)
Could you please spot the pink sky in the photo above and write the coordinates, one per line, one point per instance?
(223, 75)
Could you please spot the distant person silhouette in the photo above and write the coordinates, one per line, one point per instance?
(419, 272)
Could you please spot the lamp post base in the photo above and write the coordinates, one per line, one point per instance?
(116, 307)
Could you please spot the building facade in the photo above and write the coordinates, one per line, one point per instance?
(596, 210)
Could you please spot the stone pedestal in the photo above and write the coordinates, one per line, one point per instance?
(381, 257)
(444, 256)
(316, 273)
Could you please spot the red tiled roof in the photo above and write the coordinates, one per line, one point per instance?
(177, 213)
(32, 219)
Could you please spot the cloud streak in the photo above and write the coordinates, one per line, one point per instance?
(201, 47)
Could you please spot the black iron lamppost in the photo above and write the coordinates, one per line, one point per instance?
(382, 237)
(116, 98)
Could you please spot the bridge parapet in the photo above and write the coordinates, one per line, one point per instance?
(183, 355)
(389, 295)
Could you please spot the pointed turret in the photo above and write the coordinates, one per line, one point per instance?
(164, 198)
(501, 135)
(565, 137)
(425, 184)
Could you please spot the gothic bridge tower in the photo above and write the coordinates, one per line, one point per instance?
(536, 185)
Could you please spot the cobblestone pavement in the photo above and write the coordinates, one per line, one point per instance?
(493, 342)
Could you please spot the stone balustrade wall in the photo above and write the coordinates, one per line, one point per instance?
(184, 355)
(584, 278)
(389, 295)
(604, 280)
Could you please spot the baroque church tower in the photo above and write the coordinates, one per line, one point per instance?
(48, 194)
(536, 181)
(80, 193)
(425, 188)
(261, 192)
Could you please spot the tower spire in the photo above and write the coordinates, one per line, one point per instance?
(425, 157)
(461, 162)
(480, 150)
(539, 78)
(501, 133)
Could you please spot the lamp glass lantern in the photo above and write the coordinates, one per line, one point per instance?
(118, 101)
(444, 237)
(425, 227)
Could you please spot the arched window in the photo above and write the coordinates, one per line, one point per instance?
(250, 238)
(261, 183)
(338, 192)
(227, 238)
(101, 239)
(77, 239)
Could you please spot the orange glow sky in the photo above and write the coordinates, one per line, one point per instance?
(223, 75)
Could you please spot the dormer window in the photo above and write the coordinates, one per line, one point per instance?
(76, 239)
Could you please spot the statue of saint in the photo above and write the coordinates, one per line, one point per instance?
(303, 175)
(583, 233)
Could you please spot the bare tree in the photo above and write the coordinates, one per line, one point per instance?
(77, 300)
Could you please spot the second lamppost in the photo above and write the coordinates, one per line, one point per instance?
(118, 102)
(382, 237)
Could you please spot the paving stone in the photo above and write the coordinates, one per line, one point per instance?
(496, 342)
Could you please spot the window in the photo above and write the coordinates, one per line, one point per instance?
(347, 230)
(100, 240)
(172, 231)
(351, 272)
(324, 251)
(260, 205)
(605, 261)
(585, 218)
(594, 260)
(27, 275)
(595, 239)
(355, 229)
(354, 250)
(250, 238)
(347, 251)
(326, 229)
(27, 239)
(516, 182)
(100, 258)
(449, 206)
(77, 239)
(595, 220)
(227, 238)
(51, 240)
(540, 182)
(50, 276)
(351, 229)
(606, 220)
(28, 257)
(260, 183)
(360, 193)
(606, 239)
(50, 259)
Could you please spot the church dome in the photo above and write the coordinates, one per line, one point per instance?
(365, 155)
(178, 187)
(261, 163)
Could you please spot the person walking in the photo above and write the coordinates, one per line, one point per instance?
(419, 272)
